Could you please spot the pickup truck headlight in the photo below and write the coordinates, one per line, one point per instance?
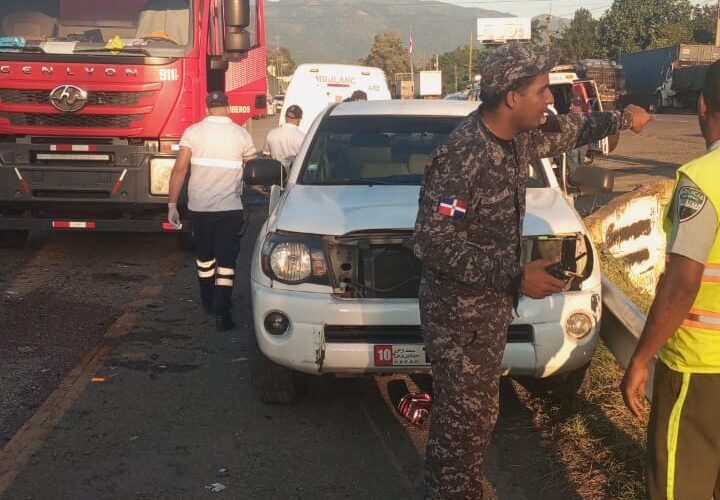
(160, 169)
(294, 260)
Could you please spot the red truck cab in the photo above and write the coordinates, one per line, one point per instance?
(94, 97)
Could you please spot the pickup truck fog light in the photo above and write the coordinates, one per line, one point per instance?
(276, 323)
(160, 169)
(578, 325)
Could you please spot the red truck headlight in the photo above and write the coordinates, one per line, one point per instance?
(160, 169)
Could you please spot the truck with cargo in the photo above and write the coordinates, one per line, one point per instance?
(647, 72)
(94, 97)
(681, 88)
(428, 84)
(608, 77)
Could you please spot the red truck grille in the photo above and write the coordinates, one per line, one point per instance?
(67, 120)
(95, 98)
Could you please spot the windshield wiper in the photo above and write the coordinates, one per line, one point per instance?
(349, 182)
(130, 50)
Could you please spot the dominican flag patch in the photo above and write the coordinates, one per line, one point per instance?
(452, 207)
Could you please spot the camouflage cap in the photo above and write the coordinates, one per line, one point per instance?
(511, 62)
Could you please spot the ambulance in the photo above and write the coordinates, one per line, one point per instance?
(314, 87)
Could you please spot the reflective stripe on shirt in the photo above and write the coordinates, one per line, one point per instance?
(212, 162)
(707, 320)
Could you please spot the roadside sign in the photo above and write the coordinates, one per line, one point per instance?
(503, 29)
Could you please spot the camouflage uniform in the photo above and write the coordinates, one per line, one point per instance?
(472, 270)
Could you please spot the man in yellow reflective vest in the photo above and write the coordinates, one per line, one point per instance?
(683, 328)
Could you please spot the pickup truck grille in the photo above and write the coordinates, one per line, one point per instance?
(71, 120)
(403, 334)
(95, 98)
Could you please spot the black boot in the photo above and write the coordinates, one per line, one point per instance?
(224, 322)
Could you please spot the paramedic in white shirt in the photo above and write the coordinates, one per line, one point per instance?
(283, 143)
(216, 148)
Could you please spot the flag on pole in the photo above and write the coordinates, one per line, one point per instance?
(410, 45)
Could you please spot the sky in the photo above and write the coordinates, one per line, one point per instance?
(530, 8)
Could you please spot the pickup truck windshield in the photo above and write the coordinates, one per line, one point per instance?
(159, 28)
(355, 150)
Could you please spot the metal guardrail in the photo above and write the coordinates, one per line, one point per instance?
(622, 324)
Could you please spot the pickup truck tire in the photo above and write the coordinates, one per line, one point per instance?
(562, 386)
(274, 384)
(658, 104)
(12, 238)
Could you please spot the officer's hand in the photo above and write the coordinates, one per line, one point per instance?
(174, 215)
(537, 282)
(640, 118)
(633, 387)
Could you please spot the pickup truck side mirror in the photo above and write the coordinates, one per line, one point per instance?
(264, 172)
(592, 180)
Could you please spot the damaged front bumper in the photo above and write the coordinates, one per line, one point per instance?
(327, 334)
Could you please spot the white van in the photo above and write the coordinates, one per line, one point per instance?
(315, 86)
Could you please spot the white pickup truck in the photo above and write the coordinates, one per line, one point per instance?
(334, 280)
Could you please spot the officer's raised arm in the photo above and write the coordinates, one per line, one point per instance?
(561, 133)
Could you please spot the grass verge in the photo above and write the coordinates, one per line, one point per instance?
(600, 444)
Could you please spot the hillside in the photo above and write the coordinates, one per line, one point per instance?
(343, 30)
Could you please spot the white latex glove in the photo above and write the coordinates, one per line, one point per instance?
(174, 215)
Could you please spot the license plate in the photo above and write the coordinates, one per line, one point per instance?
(400, 355)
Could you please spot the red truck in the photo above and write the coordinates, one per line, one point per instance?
(95, 95)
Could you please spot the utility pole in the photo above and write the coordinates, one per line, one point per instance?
(456, 87)
(547, 28)
(547, 32)
(470, 78)
(717, 25)
(412, 70)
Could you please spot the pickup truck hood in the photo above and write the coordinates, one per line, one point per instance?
(338, 210)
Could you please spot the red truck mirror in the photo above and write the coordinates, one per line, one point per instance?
(237, 18)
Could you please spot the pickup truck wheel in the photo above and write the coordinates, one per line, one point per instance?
(11, 238)
(658, 104)
(274, 384)
(564, 385)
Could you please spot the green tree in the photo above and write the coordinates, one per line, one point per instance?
(457, 61)
(703, 23)
(537, 39)
(635, 25)
(389, 54)
(281, 60)
(580, 39)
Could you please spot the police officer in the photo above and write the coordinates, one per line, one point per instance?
(683, 328)
(215, 148)
(471, 252)
(283, 142)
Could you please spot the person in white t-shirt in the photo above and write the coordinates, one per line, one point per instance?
(283, 143)
(215, 148)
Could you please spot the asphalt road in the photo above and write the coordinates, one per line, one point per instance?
(114, 384)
